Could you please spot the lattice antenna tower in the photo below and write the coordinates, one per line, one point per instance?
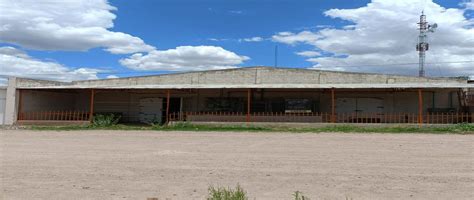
(423, 45)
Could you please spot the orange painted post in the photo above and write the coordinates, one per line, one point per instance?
(91, 108)
(420, 107)
(333, 108)
(168, 94)
(248, 105)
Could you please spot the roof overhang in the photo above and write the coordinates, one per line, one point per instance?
(269, 86)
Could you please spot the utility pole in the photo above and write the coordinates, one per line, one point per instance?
(423, 45)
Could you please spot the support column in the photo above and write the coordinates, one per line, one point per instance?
(420, 107)
(168, 94)
(91, 108)
(11, 103)
(333, 106)
(248, 104)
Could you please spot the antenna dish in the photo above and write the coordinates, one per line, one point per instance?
(435, 25)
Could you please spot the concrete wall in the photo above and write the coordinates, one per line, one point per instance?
(3, 101)
(254, 75)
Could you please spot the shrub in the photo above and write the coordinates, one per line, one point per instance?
(222, 193)
(299, 196)
(103, 120)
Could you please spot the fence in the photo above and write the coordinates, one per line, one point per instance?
(312, 117)
(324, 117)
(70, 115)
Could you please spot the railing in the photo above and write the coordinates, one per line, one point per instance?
(324, 117)
(70, 115)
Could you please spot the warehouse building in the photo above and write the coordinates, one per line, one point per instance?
(251, 94)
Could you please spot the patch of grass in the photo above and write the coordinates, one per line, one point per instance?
(458, 128)
(89, 127)
(448, 129)
(198, 127)
(222, 193)
(105, 120)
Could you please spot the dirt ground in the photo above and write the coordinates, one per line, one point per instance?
(181, 165)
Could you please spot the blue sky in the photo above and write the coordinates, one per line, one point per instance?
(226, 26)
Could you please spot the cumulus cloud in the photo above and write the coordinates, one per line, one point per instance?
(184, 58)
(15, 62)
(73, 25)
(384, 33)
(308, 53)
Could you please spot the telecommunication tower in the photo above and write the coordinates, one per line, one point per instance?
(423, 45)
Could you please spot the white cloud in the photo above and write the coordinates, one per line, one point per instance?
(308, 53)
(112, 76)
(217, 39)
(469, 5)
(385, 32)
(14, 62)
(252, 39)
(292, 38)
(73, 25)
(184, 58)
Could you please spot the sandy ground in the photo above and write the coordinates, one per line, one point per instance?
(181, 165)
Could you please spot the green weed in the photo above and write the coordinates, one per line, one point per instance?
(222, 193)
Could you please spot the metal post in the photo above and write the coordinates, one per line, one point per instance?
(420, 107)
(167, 105)
(248, 105)
(333, 108)
(91, 111)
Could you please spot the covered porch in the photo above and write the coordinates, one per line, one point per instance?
(332, 105)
